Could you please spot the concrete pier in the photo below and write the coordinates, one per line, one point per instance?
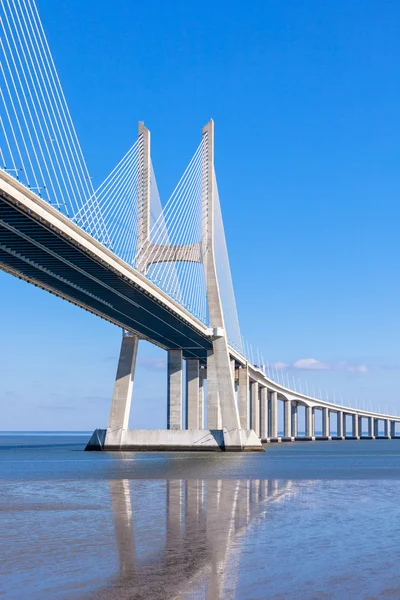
(264, 413)
(339, 425)
(294, 420)
(174, 392)
(255, 408)
(244, 397)
(193, 393)
(354, 427)
(213, 407)
(309, 424)
(202, 377)
(287, 420)
(122, 395)
(371, 431)
(274, 415)
(326, 430)
(360, 426)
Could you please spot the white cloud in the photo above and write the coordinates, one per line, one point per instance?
(310, 364)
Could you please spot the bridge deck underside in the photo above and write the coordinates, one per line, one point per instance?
(38, 254)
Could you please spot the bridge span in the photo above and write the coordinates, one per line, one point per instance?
(45, 248)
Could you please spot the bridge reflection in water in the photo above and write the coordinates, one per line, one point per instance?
(189, 547)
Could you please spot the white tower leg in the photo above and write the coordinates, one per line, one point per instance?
(122, 395)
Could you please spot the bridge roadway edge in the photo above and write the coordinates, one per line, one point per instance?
(181, 325)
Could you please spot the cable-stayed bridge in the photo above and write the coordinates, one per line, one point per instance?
(160, 272)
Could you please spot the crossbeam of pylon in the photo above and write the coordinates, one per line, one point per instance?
(170, 252)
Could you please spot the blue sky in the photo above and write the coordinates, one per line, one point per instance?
(305, 98)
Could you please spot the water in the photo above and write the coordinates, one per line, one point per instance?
(301, 521)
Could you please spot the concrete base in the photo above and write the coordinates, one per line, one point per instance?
(287, 439)
(178, 440)
(323, 438)
(352, 437)
(367, 437)
(339, 438)
(305, 438)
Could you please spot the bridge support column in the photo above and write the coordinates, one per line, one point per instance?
(213, 407)
(122, 395)
(274, 415)
(287, 419)
(309, 423)
(227, 412)
(360, 426)
(376, 427)
(326, 430)
(255, 408)
(174, 414)
(344, 425)
(193, 393)
(264, 413)
(354, 426)
(371, 432)
(202, 377)
(295, 432)
(387, 428)
(339, 427)
(244, 397)
(393, 429)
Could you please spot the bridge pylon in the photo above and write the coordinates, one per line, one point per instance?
(118, 421)
(222, 411)
(221, 402)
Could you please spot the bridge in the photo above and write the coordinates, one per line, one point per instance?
(159, 272)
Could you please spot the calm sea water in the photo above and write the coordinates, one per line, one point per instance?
(301, 521)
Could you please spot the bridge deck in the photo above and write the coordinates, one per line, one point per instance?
(35, 251)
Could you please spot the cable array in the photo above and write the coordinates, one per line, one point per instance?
(111, 214)
(38, 141)
(39, 147)
(174, 255)
(224, 276)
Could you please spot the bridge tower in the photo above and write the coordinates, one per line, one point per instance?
(221, 401)
(122, 395)
(222, 411)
